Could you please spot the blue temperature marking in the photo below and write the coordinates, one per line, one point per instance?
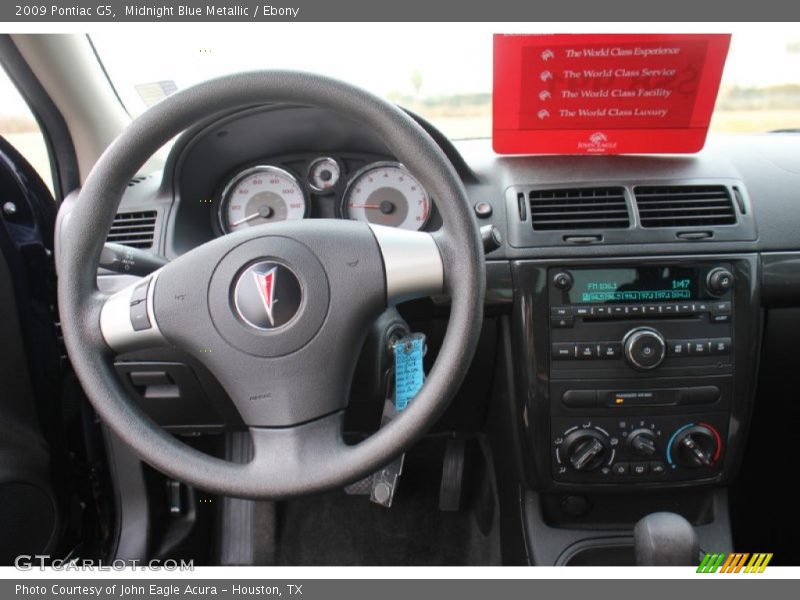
(669, 443)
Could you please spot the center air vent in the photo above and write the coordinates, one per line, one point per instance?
(579, 208)
(135, 229)
(684, 206)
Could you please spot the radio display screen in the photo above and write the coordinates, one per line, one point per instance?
(633, 285)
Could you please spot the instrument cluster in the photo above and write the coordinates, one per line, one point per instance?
(380, 192)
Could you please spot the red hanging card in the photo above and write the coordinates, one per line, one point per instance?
(605, 94)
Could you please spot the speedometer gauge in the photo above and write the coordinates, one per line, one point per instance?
(387, 194)
(261, 195)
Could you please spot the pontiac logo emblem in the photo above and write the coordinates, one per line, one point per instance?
(267, 295)
(265, 282)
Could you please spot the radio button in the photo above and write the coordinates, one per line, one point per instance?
(677, 348)
(563, 351)
(585, 351)
(721, 308)
(618, 311)
(561, 311)
(698, 347)
(561, 322)
(720, 346)
(700, 307)
(651, 309)
(610, 350)
(635, 310)
(601, 311)
(669, 309)
(721, 312)
(582, 311)
(685, 309)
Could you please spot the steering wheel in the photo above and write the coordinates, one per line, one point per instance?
(277, 313)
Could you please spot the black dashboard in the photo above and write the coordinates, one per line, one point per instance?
(626, 302)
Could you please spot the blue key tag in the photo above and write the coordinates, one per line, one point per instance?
(408, 375)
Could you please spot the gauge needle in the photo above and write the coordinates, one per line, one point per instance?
(375, 206)
(255, 215)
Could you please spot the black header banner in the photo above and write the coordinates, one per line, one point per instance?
(66, 11)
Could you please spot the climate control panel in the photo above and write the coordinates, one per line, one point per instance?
(633, 449)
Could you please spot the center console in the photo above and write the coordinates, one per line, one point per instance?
(640, 371)
(633, 382)
(640, 376)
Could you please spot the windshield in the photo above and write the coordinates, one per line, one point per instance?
(441, 71)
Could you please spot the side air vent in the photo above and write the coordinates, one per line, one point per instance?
(684, 206)
(579, 208)
(135, 229)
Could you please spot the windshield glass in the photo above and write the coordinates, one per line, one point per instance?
(441, 71)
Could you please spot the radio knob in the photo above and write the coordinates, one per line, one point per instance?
(562, 281)
(644, 348)
(719, 281)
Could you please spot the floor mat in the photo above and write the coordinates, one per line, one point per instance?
(337, 529)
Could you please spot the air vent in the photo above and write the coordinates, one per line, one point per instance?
(135, 229)
(684, 206)
(579, 208)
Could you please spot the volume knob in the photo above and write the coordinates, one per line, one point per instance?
(644, 347)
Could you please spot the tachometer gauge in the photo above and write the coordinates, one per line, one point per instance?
(323, 175)
(261, 195)
(387, 194)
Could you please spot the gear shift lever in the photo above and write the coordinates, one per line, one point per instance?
(665, 539)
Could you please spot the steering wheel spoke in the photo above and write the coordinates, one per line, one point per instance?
(128, 320)
(412, 263)
(280, 453)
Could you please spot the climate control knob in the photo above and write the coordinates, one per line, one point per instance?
(695, 446)
(586, 449)
(642, 442)
(644, 348)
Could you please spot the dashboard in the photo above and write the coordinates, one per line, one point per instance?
(628, 297)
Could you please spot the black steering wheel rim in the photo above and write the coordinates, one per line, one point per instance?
(304, 458)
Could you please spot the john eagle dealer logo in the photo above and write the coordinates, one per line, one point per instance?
(267, 295)
(598, 142)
